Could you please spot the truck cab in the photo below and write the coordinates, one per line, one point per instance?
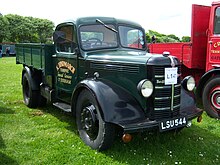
(99, 70)
(213, 39)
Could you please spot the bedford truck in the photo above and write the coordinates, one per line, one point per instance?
(111, 87)
(201, 56)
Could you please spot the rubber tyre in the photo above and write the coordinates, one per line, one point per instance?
(211, 96)
(99, 135)
(31, 97)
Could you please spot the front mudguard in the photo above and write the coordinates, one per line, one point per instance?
(188, 105)
(117, 105)
(203, 80)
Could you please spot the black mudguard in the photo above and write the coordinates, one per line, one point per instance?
(117, 104)
(35, 85)
(188, 105)
(121, 108)
(204, 79)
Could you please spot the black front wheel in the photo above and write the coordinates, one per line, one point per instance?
(211, 97)
(93, 130)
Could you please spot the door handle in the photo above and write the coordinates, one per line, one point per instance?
(210, 42)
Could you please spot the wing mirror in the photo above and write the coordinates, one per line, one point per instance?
(59, 36)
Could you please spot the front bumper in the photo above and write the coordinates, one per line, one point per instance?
(146, 124)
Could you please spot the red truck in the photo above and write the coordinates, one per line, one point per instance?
(201, 56)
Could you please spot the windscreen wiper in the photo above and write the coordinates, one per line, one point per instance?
(108, 27)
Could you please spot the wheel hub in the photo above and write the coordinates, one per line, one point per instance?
(215, 98)
(218, 100)
(89, 121)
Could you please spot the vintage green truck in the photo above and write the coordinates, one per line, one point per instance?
(98, 69)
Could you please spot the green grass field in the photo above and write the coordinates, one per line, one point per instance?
(49, 136)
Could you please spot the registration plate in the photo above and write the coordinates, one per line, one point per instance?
(173, 123)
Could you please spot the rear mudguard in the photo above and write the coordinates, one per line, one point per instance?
(116, 104)
(34, 83)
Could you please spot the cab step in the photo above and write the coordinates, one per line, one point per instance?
(65, 107)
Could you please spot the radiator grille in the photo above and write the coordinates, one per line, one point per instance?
(165, 105)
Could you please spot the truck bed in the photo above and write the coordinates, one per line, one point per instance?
(181, 50)
(38, 56)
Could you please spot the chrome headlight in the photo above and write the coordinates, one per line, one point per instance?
(146, 88)
(188, 83)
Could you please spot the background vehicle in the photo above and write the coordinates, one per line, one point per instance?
(94, 71)
(8, 49)
(201, 56)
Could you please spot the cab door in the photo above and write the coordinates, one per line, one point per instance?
(213, 51)
(65, 61)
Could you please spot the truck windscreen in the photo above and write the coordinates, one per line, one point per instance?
(131, 37)
(97, 37)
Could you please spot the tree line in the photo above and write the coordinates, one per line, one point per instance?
(15, 28)
(18, 29)
(164, 38)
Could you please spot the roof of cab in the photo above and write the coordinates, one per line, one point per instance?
(106, 20)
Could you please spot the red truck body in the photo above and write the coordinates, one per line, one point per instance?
(201, 56)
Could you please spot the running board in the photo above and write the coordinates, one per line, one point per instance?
(65, 107)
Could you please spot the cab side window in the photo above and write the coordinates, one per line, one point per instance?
(67, 44)
(217, 21)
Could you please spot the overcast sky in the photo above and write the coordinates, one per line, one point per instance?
(164, 16)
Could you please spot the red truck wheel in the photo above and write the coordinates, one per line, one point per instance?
(95, 132)
(211, 97)
(30, 96)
